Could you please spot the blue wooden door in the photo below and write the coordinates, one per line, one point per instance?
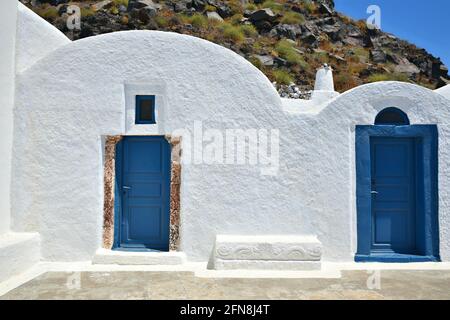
(145, 184)
(393, 176)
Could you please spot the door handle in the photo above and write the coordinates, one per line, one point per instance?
(126, 187)
(374, 192)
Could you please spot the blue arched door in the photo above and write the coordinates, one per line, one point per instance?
(393, 194)
(397, 190)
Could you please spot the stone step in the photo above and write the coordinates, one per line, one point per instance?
(266, 253)
(19, 251)
(104, 256)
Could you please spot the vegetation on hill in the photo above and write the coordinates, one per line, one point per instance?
(286, 39)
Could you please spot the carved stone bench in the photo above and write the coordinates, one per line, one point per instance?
(266, 252)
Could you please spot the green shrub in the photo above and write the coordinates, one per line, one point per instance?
(309, 6)
(251, 7)
(210, 8)
(286, 51)
(293, 18)
(114, 10)
(232, 32)
(199, 21)
(49, 13)
(235, 6)
(161, 21)
(388, 77)
(236, 19)
(249, 30)
(119, 2)
(282, 77)
(257, 46)
(284, 47)
(275, 6)
(87, 12)
(256, 62)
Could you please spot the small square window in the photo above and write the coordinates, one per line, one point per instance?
(145, 110)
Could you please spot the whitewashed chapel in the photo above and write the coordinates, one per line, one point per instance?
(146, 147)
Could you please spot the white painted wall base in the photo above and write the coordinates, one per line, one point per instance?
(18, 252)
(266, 252)
(104, 256)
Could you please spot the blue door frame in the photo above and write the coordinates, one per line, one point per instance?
(424, 139)
(142, 194)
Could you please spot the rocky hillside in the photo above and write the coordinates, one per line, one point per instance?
(287, 39)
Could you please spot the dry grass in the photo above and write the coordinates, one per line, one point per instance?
(388, 77)
(282, 77)
(309, 6)
(232, 32)
(286, 50)
(121, 2)
(292, 18)
(344, 82)
(48, 12)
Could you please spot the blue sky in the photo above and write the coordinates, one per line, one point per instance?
(424, 23)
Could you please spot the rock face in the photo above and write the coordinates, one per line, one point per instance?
(287, 40)
(263, 19)
(105, 4)
(266, 60)
(214, 16)
(262, 15)
(286, 31)
(139, 4)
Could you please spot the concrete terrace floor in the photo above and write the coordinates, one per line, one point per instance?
(394, 284)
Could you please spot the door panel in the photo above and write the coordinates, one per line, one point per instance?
(393, 164)
(145, 193)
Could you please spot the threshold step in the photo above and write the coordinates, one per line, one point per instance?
(105, 256)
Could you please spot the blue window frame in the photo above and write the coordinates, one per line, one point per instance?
(145, 110)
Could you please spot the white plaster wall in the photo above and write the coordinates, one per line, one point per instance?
(57, 162)
(35, 38)
(334, 161)
(8, 16)
(81, 97)
(156, 87)
(444, 91)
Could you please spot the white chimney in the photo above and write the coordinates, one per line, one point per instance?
(324, 86)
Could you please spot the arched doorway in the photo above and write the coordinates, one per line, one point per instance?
(397, 212)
